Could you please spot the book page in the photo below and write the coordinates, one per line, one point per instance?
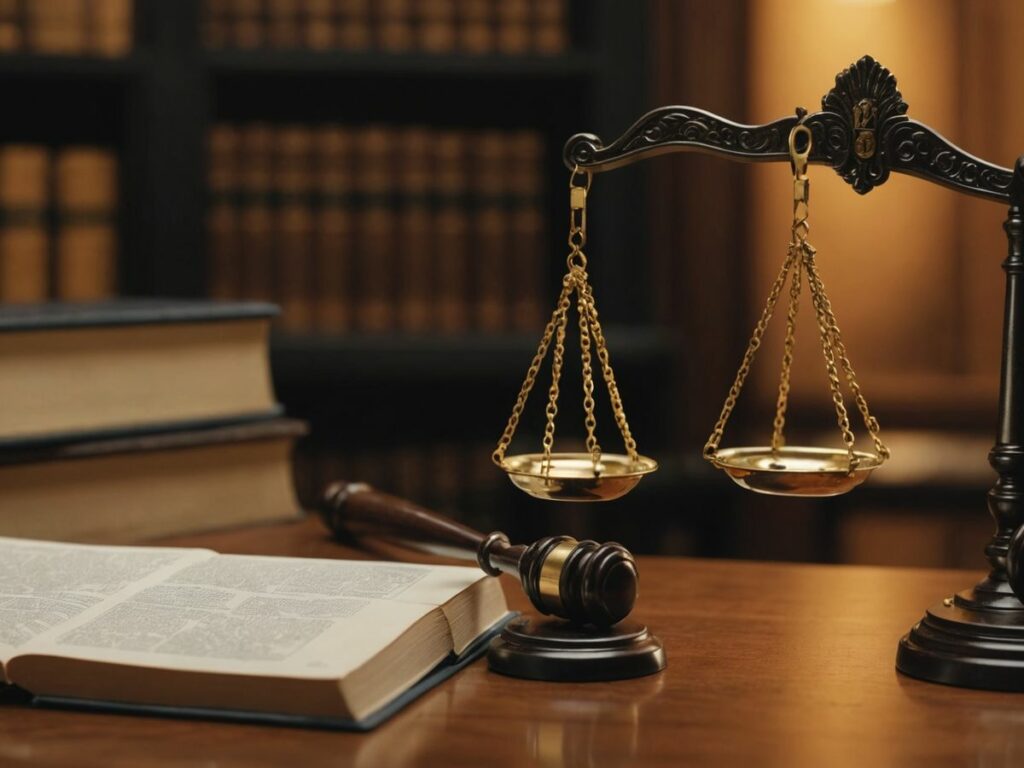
(293, 617)
(45, 585)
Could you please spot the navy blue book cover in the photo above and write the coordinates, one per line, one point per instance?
(63, 315)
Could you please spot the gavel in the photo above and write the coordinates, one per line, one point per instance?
(582, 581)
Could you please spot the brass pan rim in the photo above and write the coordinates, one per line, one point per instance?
(613, 465)
(830, 460)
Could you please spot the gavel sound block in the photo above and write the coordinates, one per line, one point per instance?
(591, 587)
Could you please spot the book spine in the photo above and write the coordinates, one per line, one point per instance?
(451, 233)
(12, 37)
(524, 170)
(284, 28)
(215, 23)
(86, 196)
(294, 228)
(436, 32)
(111, 27)
(24, 238)
(550, 36)
(333, 230)
(491, 233)
(394, 25)
(57, 26)
(513, 36)
(375, 243)
(248, 24)
(415, 260)
(476, 26)
(222, 220)
(353, 24)
(318, 31)
(257, 273)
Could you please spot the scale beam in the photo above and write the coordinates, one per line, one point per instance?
(862, 133)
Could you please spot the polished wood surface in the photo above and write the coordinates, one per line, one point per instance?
(769, 665)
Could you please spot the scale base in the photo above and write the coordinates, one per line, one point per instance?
(961, 642)
(562, 652)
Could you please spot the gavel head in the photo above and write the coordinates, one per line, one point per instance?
(582, 581)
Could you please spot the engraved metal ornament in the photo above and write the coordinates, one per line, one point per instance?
(866, 103)
(864, 114)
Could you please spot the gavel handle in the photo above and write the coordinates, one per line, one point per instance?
(360, 511)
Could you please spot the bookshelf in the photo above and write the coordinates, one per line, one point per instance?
(155, 106)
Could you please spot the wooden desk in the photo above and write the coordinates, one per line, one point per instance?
(769, 665)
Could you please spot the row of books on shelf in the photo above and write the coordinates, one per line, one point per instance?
(66, 27)
(58, 234)
(379, 229)
(513, 27)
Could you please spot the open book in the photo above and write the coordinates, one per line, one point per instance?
(189, 630)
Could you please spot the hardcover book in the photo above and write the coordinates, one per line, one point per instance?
(120, 490)
(131, 365)
(189, 632)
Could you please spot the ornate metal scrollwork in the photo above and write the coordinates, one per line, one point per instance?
(866, 103)
(862, 132)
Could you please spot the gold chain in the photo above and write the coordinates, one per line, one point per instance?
(588, 380)
(799, 260)
(870, 422)
(531, 374)
(576, 280)
(711, 446)
(779, 426)
(609, 375)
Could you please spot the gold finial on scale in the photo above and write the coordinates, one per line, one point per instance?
(799, 470)
(594, 475)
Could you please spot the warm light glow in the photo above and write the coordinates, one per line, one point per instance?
(865, 2)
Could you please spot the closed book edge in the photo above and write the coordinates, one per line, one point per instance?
(261, 426)
(53, 315)
(446, 669)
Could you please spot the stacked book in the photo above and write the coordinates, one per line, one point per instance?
(511, 27)
(128, 420)
(67, 27)
(379, 229)
(58, 232)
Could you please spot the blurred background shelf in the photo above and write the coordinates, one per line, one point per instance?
(369, 357)
(565, 68)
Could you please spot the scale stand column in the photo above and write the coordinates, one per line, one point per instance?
(976, 638)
